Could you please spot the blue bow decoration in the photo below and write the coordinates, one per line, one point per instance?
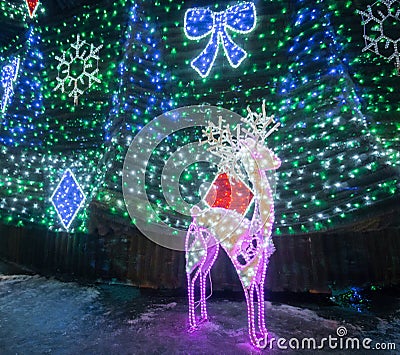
(200, 22)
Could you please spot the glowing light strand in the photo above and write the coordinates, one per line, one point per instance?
(248, 243)
(9, 75)
(201, 22)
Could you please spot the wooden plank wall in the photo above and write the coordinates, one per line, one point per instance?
(304, 263)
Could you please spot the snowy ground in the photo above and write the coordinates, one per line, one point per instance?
(47, 316)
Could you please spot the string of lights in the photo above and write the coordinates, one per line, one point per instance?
(339, 135)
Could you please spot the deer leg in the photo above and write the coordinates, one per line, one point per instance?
(192, 316)
(259, 286)
(212, 253)
(195, 257)
(261, 310)
(259, 342)
(249, 293)
(203, 307)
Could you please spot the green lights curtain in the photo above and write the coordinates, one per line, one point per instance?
(339, 140)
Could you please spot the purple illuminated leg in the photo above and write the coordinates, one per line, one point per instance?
(203, 308)
(194, 263)
(260, 298)
(261, 308)
(212, 254)
(259, 342)
(261, 315)
(249, 293)
(192, 318)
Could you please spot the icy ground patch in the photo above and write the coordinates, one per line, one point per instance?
(46, 316)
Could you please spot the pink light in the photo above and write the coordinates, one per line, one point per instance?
(202, 241)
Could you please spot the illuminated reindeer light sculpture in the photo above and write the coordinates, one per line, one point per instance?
(248, 243)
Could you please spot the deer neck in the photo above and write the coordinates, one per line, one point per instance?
(262, 191)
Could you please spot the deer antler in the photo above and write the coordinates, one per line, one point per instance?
(226, 145)
(223, 144)
(258, 123)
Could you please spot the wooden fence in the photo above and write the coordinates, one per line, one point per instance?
(304, 263)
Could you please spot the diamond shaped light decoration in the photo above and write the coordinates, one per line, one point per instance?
(230, 194)
(68, 198)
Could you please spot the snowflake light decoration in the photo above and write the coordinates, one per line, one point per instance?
(381, 23)
(78, 69)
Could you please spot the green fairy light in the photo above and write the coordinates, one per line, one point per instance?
(338, 108)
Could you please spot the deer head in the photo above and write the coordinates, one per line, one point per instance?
(244, 144)
(258, 155)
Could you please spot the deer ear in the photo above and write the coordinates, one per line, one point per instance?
(195, 210)
(250, 142)
(277, 162)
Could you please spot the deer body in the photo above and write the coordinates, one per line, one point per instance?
(248, 243)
